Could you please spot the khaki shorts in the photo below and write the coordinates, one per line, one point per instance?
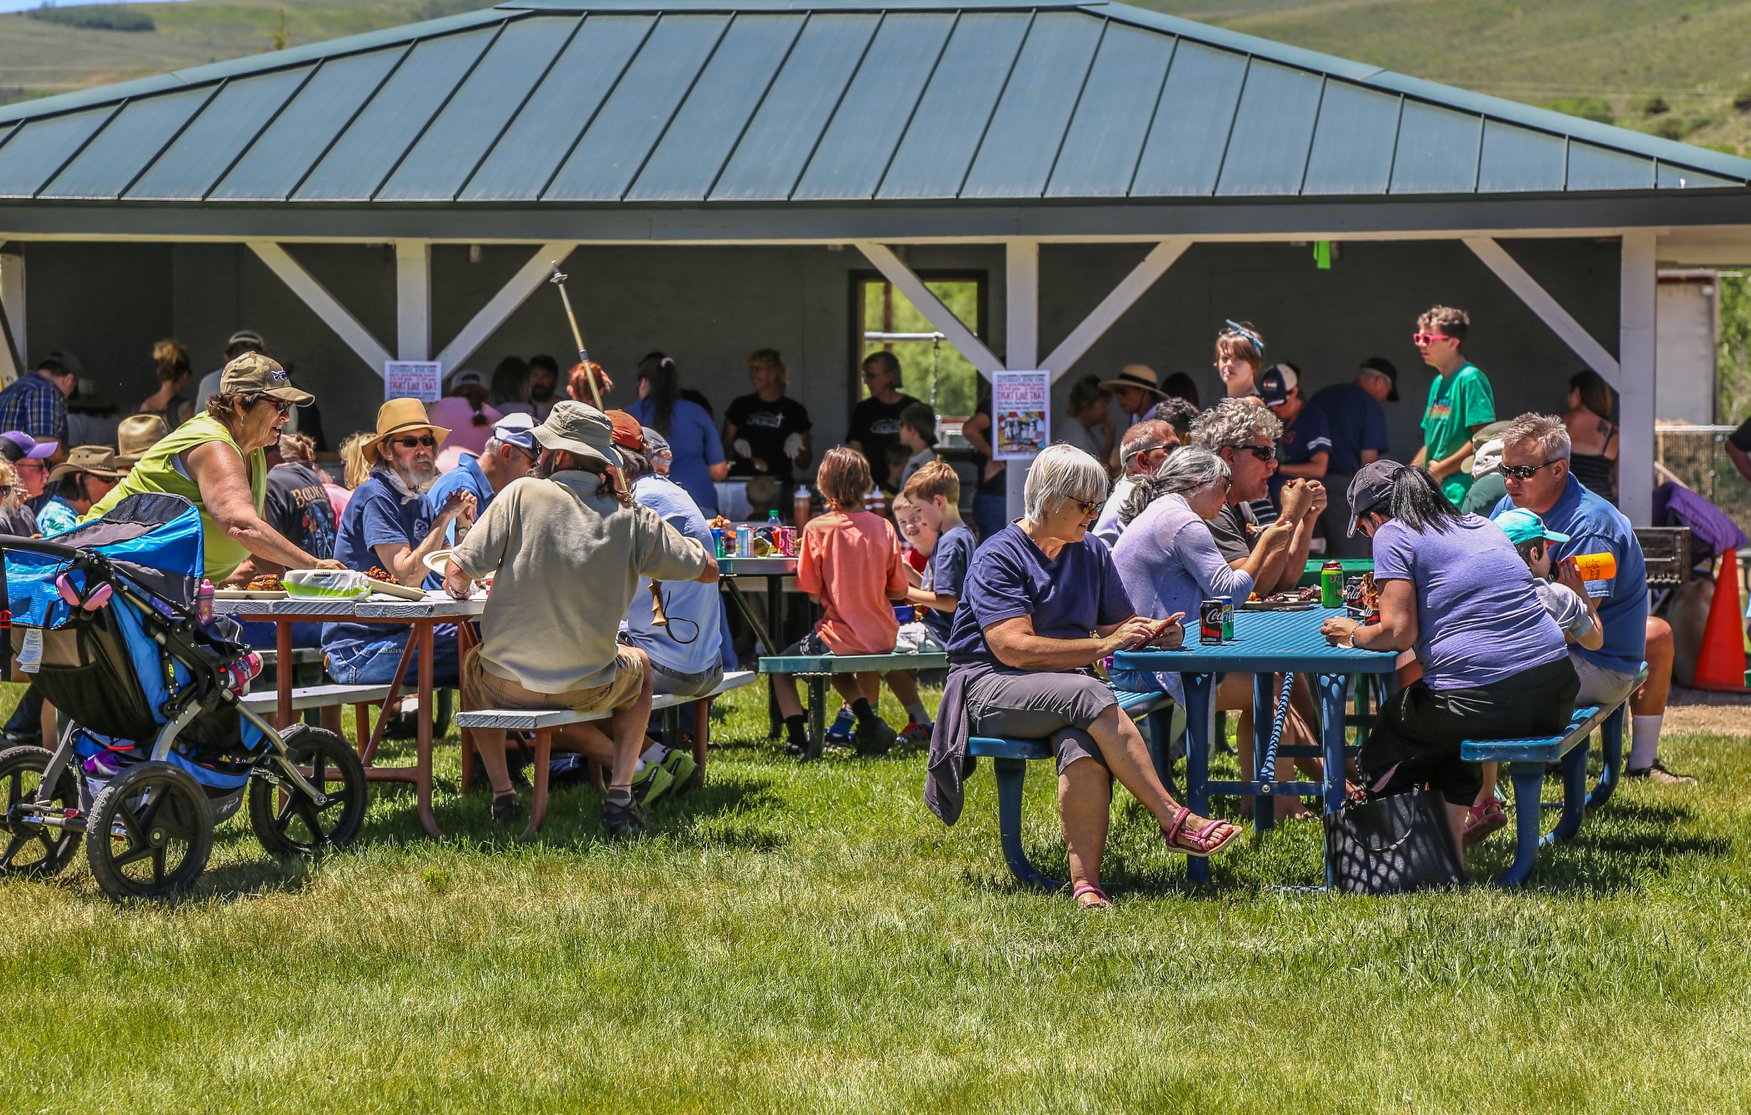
(483, 689)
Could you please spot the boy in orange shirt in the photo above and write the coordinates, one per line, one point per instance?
(848, 561)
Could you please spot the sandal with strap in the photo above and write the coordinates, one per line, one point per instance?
(1481, 821)
(1101, 901)
(1203, 842)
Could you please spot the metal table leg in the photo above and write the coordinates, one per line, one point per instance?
(1331, 714)
(1200, 726)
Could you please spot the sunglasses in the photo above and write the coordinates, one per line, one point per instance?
(281, 405)
(1262, 452)
(1089, 507)
(414, 442)
(1524, 472)
(1430, 338)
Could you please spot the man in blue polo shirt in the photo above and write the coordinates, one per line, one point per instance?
(1356, 414)
(1535, 464)
(508, 455)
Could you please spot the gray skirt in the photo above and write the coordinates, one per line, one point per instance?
(1022, 704)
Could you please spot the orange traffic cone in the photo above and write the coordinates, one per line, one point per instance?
(1721, 663)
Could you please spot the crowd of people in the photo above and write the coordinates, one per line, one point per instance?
(1147, 504)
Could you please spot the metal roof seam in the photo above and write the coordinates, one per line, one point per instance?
(1228, 138)
(1070, 117)
(407, 49)
(437, 112)
(249, 145)
(722, 34)
(1154, 114)
(1567, 143)
(212, 94)
(1312, 136)
(80, 148)
(759, 102)
(1392, 160)
(607, 95)
(1009, 75)
(838, 103)
(534, 87)
(912, 113)
(1483, 127)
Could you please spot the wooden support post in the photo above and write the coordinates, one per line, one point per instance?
(14, 350)
(413, 300)
(336, 316)
(1635, 350)
(528, 279)
(939, 315)
(1113, 306)
(1021, 336)
(1549, 311)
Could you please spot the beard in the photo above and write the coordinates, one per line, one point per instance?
(420, 477)
(543, 391)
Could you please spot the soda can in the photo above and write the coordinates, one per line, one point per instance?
(1331, 585)
(717, 542)
(1228, 617)
(1210, 622)
(744, 541)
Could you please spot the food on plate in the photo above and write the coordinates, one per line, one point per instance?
(378, 573)
(266, 582)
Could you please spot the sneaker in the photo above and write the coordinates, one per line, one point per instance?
(680, 765)
(840, 731)
(507, 809)
(874, 739)
(915, 732)
(626, 822)
(1654, 772)
(651, 783)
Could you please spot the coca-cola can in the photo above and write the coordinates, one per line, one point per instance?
(1210, 622)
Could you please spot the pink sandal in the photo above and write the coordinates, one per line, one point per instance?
(1202, 842)
(1481, 821)
(1102, 902)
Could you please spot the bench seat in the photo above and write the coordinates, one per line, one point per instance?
(266, 702)
(850, 663)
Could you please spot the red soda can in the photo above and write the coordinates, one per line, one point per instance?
(1210, 622)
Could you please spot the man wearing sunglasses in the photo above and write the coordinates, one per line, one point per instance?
(1460, 399)
(1245, 435)
(386, 526)
(509, 454)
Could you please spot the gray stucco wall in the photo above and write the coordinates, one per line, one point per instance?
(708, 307)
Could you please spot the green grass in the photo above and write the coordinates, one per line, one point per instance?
(806, 938)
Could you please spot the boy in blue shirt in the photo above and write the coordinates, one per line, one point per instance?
(935, 491)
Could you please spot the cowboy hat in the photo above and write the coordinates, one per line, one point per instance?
(581, 430)
(136, 434)
(98, 460)
(398, 416)
(1140, 376)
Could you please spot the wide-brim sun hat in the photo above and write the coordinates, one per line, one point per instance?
(397, 416)
(581, 430)
(98, 460)
(136, 434)
(1140, 376)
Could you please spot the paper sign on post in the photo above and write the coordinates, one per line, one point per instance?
(413, 379)
(1021, 419)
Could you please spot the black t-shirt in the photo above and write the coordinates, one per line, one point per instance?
(298, 507)
(1741, 437)
(766, 426)
(1230, 529)
(875, 425)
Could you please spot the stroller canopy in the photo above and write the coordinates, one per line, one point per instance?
(153, 539)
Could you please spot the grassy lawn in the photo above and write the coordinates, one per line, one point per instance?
(811, 938)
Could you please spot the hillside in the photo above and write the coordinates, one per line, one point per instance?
(1654, 65)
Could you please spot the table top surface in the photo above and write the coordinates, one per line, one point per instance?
(1264, 642)
(756, 566)
(381, 608)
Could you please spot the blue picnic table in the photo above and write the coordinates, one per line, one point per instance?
(1265, 643)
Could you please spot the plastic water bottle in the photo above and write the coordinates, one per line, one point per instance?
(204, 603)
(772, 519)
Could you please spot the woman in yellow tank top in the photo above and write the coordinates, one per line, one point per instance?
(216, 462)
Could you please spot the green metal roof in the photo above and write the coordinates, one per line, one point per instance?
(616, 101)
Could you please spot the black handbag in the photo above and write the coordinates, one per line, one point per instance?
(1391, 844)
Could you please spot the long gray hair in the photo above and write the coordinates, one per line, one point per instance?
(1187, 469)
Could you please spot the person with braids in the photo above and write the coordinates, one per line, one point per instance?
(1495, 665)
(699, 460)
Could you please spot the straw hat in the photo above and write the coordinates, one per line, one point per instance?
(398, 416)
(579, 429)
(136, 434)
(1141, 376)
(98, 460)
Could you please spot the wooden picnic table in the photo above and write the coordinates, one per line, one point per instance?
(1264, 643)
(423, 616)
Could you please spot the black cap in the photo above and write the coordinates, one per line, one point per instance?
(1384, 366)
(1370, 487)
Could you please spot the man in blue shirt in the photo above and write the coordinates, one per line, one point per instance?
(509, 454)
(37, 403)
(1304, 447)
(1535, 464)
(1356, 420)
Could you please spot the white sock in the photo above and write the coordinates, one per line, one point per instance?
(916, 713)
(1644, 741)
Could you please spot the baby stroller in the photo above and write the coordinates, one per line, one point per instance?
(160, 749)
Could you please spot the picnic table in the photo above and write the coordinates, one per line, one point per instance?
(423, 616)
(1265, 643)
(775, 570)
(1353, 567)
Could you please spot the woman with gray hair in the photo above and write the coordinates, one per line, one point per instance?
(1041, 604)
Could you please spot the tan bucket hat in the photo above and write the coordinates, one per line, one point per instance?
(581, 429)
(136, 434)
(255, 374)
(98, 460)
(398, 416)
(1136, 375)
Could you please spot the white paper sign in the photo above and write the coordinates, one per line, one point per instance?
(413, 379)
(1021, 417)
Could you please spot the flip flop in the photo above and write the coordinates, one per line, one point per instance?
(1101, 902)
(1201, 843)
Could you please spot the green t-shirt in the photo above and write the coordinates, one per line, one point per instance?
(1457, 403)
(157, 472)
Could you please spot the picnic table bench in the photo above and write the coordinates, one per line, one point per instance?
(817, 668)
(1528, 760)
(1010, 757)
(544, 722)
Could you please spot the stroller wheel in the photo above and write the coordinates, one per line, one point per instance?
(35, 851)
(150, 833)
(290, 824)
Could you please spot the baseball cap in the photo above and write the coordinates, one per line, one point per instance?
(1369, 488)
(1276, 383)
(1522, 526)
(656, 444)
(248, 338)
(628, 434)
(467, 377)
(16, 445)
(1385, 367)
(516, 429)
(255, 374)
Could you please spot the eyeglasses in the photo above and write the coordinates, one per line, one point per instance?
(1262, 452)
(1524, 472)
(414, 442)
(1430, 338)
(1090, 506)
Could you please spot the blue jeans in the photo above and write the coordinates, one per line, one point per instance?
(990, 513)
(372, 661)
(264, 635)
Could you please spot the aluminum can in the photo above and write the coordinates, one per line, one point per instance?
(1331, 584)
(1210, 622)
(717, 542)
(1228, 617)
(744, 541)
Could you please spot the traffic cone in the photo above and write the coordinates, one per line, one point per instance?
(1721, 663)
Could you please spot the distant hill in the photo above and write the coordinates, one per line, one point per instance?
(1678, 68)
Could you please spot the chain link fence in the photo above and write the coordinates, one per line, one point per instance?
(1697, 456)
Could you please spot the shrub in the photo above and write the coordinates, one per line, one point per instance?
(95, 18)
(1742, 102)
(1587, 108)
(1655, 106)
